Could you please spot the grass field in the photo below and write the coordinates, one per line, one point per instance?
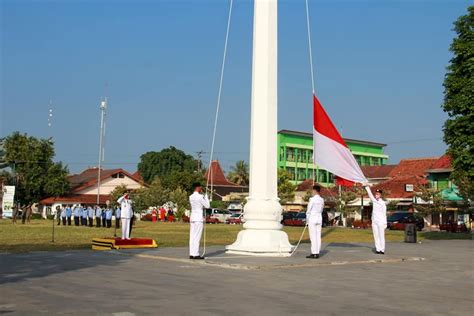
(37, 236)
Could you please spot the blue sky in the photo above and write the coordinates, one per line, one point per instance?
(379, 69)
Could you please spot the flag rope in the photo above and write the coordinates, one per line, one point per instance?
(216, 119)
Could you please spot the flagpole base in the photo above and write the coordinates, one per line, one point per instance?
(263, 243)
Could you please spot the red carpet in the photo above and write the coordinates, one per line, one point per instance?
(117, 243)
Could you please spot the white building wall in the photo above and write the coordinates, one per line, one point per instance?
(109, 184)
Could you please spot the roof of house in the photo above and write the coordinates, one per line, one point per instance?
(413, 167)
(307, 185)
(216, 176)
(76, 198)
(395, 187)
(443, 164)
(347, 140)
(89, 177)
(377, 172)
(137, 175)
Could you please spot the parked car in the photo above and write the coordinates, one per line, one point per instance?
(299, 219)
(216, 215)
(235, 219)
(398, 220)
(288, 215)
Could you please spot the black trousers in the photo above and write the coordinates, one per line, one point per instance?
(69, 221)
(76, 220)
(91, 221)
(109, 223)
(97, 220)
(117, 222)
(84, 221)
(104, 222)
(64, 220)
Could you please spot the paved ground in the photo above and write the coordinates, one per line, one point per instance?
(432, 278)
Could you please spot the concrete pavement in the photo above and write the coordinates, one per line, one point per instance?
(432, 278)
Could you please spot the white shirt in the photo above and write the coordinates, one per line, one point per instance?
(315, 210)
(125, 207)
(379, 209)
(198, 204)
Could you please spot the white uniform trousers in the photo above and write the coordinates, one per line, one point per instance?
(195, 232)
(379, 236)
(125, 228)
(315, 237)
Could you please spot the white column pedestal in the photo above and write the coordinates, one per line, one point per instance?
(262, 234)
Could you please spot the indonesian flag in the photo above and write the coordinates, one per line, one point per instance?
(331, 152)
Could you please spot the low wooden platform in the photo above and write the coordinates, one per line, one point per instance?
(118, 243)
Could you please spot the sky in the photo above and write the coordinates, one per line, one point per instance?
(379, 67)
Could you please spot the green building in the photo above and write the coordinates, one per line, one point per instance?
(296, 155)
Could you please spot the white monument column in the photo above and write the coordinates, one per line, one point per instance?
(262, 234)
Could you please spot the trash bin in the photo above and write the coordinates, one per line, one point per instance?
(410, 233)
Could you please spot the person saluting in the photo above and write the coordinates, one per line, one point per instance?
(126, 213)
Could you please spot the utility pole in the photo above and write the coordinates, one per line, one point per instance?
(103, 111)
(50, 125)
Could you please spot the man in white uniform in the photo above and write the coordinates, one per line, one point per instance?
(379, 219)
(198, 204)
(125, 215)
(314, 220)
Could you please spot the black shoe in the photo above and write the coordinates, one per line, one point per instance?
(196, 258)
(381, 252)
(313, 256)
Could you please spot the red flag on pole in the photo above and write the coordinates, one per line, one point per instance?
(330, 150)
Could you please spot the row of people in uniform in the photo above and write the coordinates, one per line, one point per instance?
(85, 216)
(314, 220)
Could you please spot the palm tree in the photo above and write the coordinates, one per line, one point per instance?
(239, 173)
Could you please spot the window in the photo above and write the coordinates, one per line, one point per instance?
(118, 176)
(290, 154)
(282, 153)
(301, 174)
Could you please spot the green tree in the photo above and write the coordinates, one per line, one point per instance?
(459, 104)
(433, 201)
(31, 161)
(182, 179)
(239, 173)
(345, 197)
(3, 162)
(153, 195)
(116, 194)
(164, 163)
(286, 189)
(180, 198)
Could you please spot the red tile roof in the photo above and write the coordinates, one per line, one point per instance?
(216, 176)
(307, 185)
(137, 175)
(377, 172)
(88, 178)
(413, 167)
(443, 163)
(395, 187)
(84, 199)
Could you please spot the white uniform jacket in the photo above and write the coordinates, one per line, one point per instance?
(379, 209)
(315, 210)
(198, 204)
(125, 207)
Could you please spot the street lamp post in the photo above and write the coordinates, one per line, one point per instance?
(103, 110)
